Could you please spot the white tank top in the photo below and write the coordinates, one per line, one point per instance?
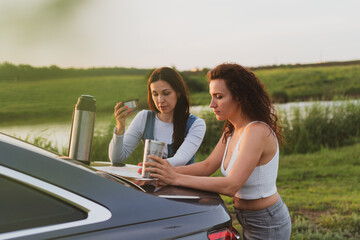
(262, 181)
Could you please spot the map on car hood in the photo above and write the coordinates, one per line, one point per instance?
(128, 170)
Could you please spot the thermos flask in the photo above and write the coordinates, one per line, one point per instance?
(82, 129)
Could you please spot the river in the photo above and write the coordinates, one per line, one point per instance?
(59, 133)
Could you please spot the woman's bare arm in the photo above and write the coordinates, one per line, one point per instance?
(207, 166)
(250, 152)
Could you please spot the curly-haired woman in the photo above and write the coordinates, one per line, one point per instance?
(247, 154)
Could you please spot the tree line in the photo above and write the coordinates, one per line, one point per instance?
(25, 72)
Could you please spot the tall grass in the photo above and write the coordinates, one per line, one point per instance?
(305, 131)
(318, 174)
(101, 140)
(310, 129)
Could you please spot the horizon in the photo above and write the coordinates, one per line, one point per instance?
(181, 33)
(356, 61)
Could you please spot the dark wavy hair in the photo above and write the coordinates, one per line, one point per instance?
(181, 111)
(250, 93)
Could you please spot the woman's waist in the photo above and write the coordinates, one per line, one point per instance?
(255, 204)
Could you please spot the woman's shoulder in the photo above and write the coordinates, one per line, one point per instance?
(259, 129)
(142, 114)
(196, 120)
(144, 111)
(261, 134)
(257, 126)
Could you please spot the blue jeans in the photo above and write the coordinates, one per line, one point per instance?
(270, 223)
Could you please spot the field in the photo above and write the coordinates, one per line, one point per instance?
(289, 84)
(50, 99)
(320, 159)
(54, 99)
(322, 83)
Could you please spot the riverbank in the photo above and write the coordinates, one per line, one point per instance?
(29, 97)
(53, 130)
(57, 130)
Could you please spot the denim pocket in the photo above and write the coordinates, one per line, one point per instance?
(258, 222)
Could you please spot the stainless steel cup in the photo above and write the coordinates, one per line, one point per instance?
(152, 147)
(132, 104)
(82, 129)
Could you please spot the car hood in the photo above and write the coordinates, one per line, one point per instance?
(127, 205)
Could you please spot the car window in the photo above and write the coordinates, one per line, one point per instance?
(23, 206)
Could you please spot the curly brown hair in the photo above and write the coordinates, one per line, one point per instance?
(250, 93)
(181, 112)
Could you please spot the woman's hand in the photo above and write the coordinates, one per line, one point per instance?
(121, 113)
(140, 169)
(162, 170)
(155, 182)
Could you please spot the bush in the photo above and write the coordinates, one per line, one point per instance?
(280, 97)
(195, 85)
(305, 131)
(100, 145)
(212, 134)
(320, 126)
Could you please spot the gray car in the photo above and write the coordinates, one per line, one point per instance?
(44, 197)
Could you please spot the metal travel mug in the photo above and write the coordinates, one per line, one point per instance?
(82, 129)
(132, 104)
(151, 147)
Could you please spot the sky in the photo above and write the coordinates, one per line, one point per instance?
(185, 34)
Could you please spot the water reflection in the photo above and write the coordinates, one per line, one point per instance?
(59, 133)
(287, 107)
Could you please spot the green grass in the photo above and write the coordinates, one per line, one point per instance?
(322, 192)
(319, 168)
(200, 98)
(47, 100)
(312, 82)
(309, 129)
(286, 84)
(53, 99)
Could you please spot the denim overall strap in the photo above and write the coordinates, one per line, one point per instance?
(149, 132)
(149, 126)
(189, 122)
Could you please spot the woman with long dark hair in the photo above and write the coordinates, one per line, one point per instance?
(247, 154)
(168, 120)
